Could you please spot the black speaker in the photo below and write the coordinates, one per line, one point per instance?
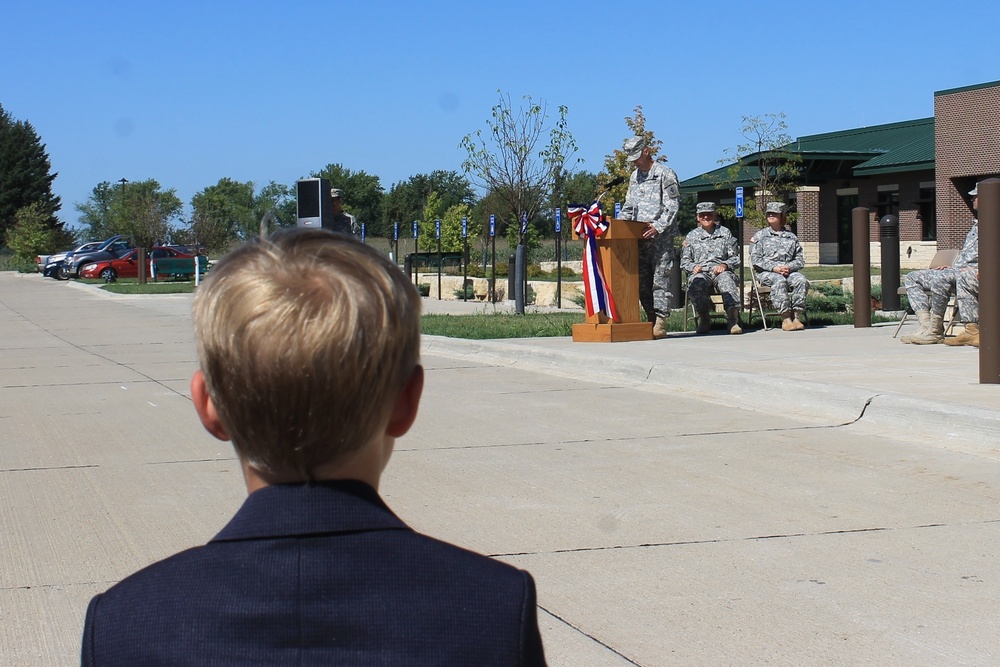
(314, 203)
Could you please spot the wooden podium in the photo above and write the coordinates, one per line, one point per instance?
(618, 251)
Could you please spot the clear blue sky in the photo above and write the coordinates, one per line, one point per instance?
(190, 92)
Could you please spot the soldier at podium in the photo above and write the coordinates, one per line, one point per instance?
(653, 198)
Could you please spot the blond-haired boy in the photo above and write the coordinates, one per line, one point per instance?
(309, 347)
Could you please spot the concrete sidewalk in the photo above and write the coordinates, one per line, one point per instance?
(660, 530)
(836, 374)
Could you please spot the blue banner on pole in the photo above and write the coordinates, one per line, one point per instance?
(558, 220)
(618, 209)
(739, 202)
(437, 229)
(395, 231)
(416, 227)
(493, 225)
(362, 232)
(524, 224)
(465, 228)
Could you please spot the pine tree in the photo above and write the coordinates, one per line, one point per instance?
(25, 172)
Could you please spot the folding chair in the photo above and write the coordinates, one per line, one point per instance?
(760, 295)
(943, 258)
(718, 307)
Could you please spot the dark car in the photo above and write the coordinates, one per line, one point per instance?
(113, 248)
(50, 264)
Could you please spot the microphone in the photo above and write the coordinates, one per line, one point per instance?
(615, 181)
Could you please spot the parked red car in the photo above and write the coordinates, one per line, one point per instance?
(127, 266)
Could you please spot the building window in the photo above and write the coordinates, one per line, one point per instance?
(927, 212)
(888, 201)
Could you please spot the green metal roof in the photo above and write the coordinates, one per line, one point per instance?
(874, 140)
(879, 149)
(712, 179)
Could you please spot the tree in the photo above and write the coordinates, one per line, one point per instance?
(451, 228)
(616, 165)
(363, 193)
(230, 212)
(433, 210)
(33, 234)
(406, 200)
(763, 159)
(140, 211)
(224, 213)
(25, 173)
(510, 162)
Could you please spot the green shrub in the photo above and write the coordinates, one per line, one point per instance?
(469, 293)
(535, 271)
(424, 289)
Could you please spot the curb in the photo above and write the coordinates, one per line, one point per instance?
(942, 424)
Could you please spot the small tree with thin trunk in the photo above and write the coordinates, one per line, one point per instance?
(764, 159)
(512, 163)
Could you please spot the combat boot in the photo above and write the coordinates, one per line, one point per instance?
(787, 322)
(733, 315)
(968, 337)
(660, 328)
(934, 334)
(704, 323)
(796, 322)
(924, 317)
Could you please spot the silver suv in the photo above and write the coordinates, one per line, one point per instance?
(113, 248)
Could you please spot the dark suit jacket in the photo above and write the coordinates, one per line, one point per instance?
(317, 574)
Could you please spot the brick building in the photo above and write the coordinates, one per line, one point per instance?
(918, 170)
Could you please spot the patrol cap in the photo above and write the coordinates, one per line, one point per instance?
(775, 207)
(335, 193)
(975, 191)
(633, 148)
(706, 207)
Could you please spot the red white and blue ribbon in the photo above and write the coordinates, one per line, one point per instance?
(589, 223)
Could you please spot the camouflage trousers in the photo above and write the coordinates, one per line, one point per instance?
(787, 294)
(700, 290)
(967, 289)
(656, 260)
(930, 289)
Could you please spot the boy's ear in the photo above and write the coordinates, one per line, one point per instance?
(404, 412)
(205, 408)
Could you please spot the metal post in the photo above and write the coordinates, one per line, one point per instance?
(862, 268)
(989, 281)
(889, 239)
(511, 276)
(520, 279)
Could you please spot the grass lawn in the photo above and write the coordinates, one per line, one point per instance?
(132, 286)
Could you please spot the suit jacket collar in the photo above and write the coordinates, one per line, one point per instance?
(296, 510)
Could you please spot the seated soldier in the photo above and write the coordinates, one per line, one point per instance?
(777, 256)
(929, 290)
(710, 255)
(309, 350)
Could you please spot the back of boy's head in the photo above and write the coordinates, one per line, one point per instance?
(305, 340)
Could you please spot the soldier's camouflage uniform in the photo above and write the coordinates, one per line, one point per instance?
(344, 223)
(654, 197)
(769, 249)
(930, 289)
(708, 250)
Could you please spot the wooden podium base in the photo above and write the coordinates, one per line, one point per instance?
(612, 332)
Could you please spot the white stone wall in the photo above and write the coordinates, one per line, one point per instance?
(540, 292)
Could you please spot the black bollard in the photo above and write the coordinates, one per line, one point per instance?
(676, 288)
(862, 268)
(511, 275)
(889, 237)
(989, 281)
